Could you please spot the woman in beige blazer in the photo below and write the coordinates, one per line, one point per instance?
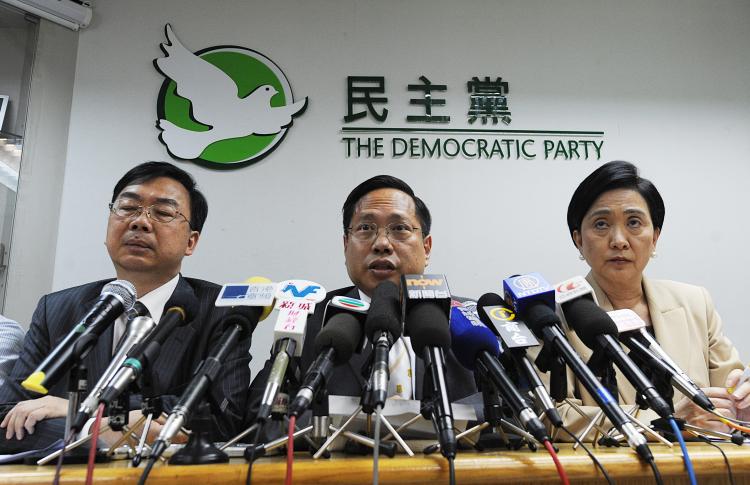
(615, 218)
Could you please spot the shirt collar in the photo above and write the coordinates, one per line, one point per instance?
(364, 297)
(155, 299)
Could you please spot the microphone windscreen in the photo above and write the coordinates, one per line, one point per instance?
(385, 311)
(123, 289)
(488, 299)
(588, 320)
(468, 339)
(427, 326)
(184, 297)
(343, 333)
(244, 316)
(538, 316)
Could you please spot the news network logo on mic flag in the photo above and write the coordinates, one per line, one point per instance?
(301, 290)
(513, 332)
(350, 304)
(519, 289)
(426, 286)
(223, 106)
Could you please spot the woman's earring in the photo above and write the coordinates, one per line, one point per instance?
(580, 256)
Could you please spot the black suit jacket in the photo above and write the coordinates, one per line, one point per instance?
(347, 379)
(58, 312)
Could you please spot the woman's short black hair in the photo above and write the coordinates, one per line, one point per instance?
(385, 182)
(152, 170)
(610, 176)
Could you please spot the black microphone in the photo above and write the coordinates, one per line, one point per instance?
(495, 313)
(477, 348)
(239, 322)
(116, 298)
(383, 327)
(598, 332)
(426, 304)
(533, 298)
(143, 355)
(334, 345)
(633, 333)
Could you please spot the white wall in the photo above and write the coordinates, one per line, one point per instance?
(666, 80)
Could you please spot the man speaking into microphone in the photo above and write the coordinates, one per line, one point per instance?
(156, 215)
(386, 234)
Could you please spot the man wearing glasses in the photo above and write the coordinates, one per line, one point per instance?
(155, 219)
(386, 234)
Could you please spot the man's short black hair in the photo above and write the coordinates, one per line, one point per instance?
(610, 176)
(385, 182)
(152, 170)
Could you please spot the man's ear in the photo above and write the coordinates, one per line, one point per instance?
(192, 242)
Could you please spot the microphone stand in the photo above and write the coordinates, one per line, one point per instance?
(279, 416)
(367, 405)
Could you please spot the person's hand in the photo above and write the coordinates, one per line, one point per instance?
(690, 412)
(111, 437)
(740, 394)
(26, 414)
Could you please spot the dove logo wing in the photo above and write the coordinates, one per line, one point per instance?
(225, 106)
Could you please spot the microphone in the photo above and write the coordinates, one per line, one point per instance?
(426, 305)
(289, 337)
(115, 298)
(137, 329)
(633, 333)
(383, 327)
(339, 338)
(477, 349)
(143, 355)
(599, 333)
(516, 337)
(238, 322)
(534, 299)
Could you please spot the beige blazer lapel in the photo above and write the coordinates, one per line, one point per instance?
(670, 322)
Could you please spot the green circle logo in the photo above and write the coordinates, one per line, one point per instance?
(223, 106)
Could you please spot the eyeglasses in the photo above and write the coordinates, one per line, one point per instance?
(160, 212)
(395, 231)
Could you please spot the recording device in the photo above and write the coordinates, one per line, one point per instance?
(516, 338)
(534, 300)
(426, 304)
(476, 347)
(634, 335)
(334, 345)
(135, 331)
(115, 298)
(383, 327)
(599, 333)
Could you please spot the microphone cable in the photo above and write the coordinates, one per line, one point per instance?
(256, 437)
(452, 470)
(558, 465)
(732, 423)
(58, 468)
(149, 465)
(92, 449)
(685, 456)
(657, 474)
(376, 448)
(290, 451)
(724, 455)
(591, 455)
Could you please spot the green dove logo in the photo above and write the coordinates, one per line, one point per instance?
(223, 106)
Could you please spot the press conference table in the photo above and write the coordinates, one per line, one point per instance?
(515, 467)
